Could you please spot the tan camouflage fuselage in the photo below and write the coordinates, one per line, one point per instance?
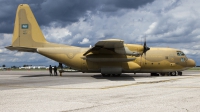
(155, 60)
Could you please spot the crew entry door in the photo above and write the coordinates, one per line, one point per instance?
(83, 65)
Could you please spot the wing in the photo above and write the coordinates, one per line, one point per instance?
(114, 45)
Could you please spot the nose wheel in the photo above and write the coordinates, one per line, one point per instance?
(175, 73)
(180, 73)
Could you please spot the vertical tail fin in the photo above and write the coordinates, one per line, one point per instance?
(27, 32)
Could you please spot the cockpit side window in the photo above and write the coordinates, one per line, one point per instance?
(182, 59)
(180, 53)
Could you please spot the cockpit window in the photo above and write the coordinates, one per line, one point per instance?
(182, 59)
(180, 53)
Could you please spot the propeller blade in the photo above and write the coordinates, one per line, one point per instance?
(145, 48)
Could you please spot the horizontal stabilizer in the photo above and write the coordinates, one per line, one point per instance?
(21, 49)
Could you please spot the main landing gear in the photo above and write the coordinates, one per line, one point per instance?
(108, 75)
(155, 74)
(175, 73)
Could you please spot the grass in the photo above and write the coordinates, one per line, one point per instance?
(194, 68)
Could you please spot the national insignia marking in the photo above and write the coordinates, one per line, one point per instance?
(70, 55)
(24, 26)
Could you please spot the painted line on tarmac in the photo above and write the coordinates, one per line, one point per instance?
(41, 87)
(184, 87)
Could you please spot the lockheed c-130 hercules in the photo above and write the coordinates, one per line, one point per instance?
(108, 57)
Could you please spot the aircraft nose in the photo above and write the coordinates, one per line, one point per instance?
(191, 63)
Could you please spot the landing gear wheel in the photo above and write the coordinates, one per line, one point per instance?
(154, 74)
(173, 73)
(180, 73)
(162, 74)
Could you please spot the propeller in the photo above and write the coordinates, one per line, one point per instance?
(145, 49)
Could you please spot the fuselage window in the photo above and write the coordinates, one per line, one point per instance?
(180, 53)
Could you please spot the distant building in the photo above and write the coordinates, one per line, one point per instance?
(33, 67)
(4, 68)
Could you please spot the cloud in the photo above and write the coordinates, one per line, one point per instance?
(1, 51)
(152, 28)
(56, 34)
(177, 22)
(85, 41)
(63, 11)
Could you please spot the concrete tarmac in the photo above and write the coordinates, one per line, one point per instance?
(90, 92)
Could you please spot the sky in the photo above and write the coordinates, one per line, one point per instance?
(164, 23)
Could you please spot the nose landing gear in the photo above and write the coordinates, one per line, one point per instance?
(175, 73)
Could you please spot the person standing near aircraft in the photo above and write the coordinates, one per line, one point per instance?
(55, 70)
(60, 65)
(50, 70)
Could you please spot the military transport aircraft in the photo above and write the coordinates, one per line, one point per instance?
(108, 57)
